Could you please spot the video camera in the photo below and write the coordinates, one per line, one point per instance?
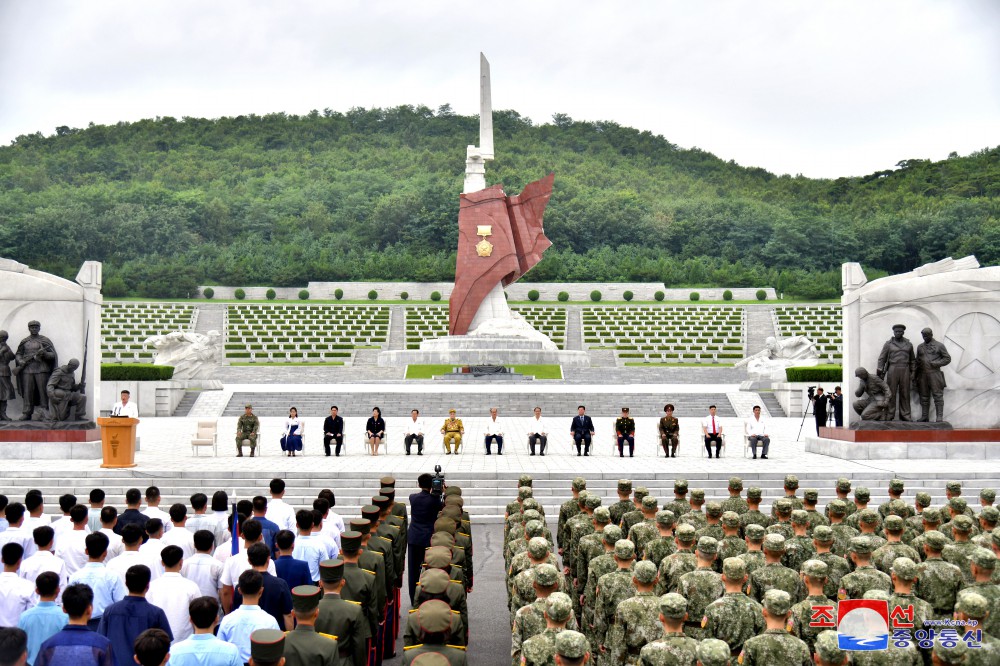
(437, 481)
(811, 392)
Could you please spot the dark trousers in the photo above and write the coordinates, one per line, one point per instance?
(414, 565)
(621, 445)
(717, 438)
(489, 442)
(326, 443)
(583, 437)
(669, 445)
(540, 439)
(408, 442)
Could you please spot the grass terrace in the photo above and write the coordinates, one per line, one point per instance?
(125, 327)
(820, 323)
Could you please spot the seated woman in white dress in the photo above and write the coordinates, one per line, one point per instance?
(291, 441)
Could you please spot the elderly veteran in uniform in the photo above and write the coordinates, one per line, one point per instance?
(452, 431)
(304, 646)
(247, 430)
(342, 618)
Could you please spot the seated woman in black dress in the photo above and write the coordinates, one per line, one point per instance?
(375, 431)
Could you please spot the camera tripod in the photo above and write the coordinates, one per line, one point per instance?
(806, 412)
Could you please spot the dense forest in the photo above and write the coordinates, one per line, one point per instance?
(373, 194)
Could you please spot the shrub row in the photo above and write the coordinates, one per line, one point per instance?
(818, 373)
(135, 372)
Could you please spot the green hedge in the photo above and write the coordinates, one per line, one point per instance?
(304, 295)
(435, 295)
(595, 296)
(135, 372)
(271, 294)
(533, 295)
(563, 296)
(818, 373)
(208, 292)
(761, 295)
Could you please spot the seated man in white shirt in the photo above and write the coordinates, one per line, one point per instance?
(179, 537)
(757, 432)
(494, 431)
(125, 407)
(414, 432)
(537, 432)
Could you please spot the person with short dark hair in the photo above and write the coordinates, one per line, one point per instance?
(294, 572)
(201, 567)
(179, 537)
(309, 548)
(71, 546)
(203, 521)
(46, 618)
(13, 646)
(333, 431)
(204, 648)
(131, 542)
(125, 620)
(44, 560)
(63, 524)
(276, 597)
(125, 407)
(153, 544)
(757, 432)
(107, 587)
(711, 429)
(152, 648)
(16, 594)
(96, 499)
(237, 626)
(413, 433)
(375, 431)
(331, 516)
(131, 515)
(670, 432)
(582, 430)
(625, 433)
(76, 644)
(269, 527)
(279, 511)
(3, 507)
(238, 563)
(174, 593)
(34, 503)
(16, 532)
(109, 519)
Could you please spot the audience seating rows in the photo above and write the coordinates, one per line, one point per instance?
(126, 326)
(820, 323)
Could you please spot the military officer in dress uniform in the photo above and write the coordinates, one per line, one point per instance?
(247, 429)
(340, 617)
(625, 432)
(670, 430)
(452, 431)
(359, 584)
(304, 646)
(434, 620)
(267, 647)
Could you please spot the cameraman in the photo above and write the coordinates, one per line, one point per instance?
(819, 400)
(424, 509)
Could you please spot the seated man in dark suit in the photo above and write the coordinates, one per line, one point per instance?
(582, 429)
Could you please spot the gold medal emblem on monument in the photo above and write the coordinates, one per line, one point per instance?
(484, 248)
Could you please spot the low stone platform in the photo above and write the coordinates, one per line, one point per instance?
(483, 350)
(909, 445)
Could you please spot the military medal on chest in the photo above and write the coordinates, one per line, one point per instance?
(484, 248)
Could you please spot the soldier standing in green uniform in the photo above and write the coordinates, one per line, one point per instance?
(974, 606)
(515, 549)
(530, 620)
(624, 504)
(984, 563)
(959, 552)
(435, 584)
(870, 524)
(773, 575)
(600, 565)
(572, 649)
(864, 577)
(247, 429)
(791, 486)
(938, 582)
(679, 504)
(809, 499)
(635, 622)
(539, 650)
(670, 430)
(904, 575)
(580, 517)
(434, 620)
(915, 523)
(930, 522)
(359, 584)
(625, 432)
(885, 555)
(695, 517)
(701, 587)
(861, 498)
(663, 544)
(828, 650)
(836, 566)
(814, 578)
(304, 646)
(713, 522)
(712, 652)
(673, 647)
(753, 514)
(754, 559)
(775, 647)
(799, 548)
(645, 530)
(340, 617)
(896, 490)
(735, 617)
(630, 518)
(843, 490)
(267, 647)
(731, 545)
(842, 532)
(568, 509)
(612, 589)
(582, 525)
(783, 522)
(735, 502)
(590, 546)
(676, 565)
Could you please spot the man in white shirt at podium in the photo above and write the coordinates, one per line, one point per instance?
(125, 407)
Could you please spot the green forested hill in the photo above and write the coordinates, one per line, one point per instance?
(373, 194)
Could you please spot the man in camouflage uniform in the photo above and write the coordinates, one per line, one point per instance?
(973, 606)
(572, 649)
(799, 548)
(701, 587)
(731, 545)
(612, 589)
(861, 498)
(713, 519)
(674, 566)
(827, 649)
(865, 576)
(948, 652)
(695, 517)
(938, 582)
(987, 496)
(532, 529)
(530, 620)
(953, 489)
(904, 575)
(869, 525)
(754, 515)
(576, 519)
(988, 519)
(773, 575)
(960, 552)
(791, 486)
(957, 506)
(645, 530)
(590, 546)
(599, 566)
(679, 504)
(525, 560)
(754, 559)
(783, 521)
(931, 521)
(809, 499)
(632, 517)
(624, 504)
(842, 533)
(735, 617)
(664, 543)
(673, 647)
(814, 578)
(712, 652)
(775, 647)
(984, 563)
(909, 655)
(515, 507)
(580, 526)
(522, 586)
(735, 502)
(915, 523)
(843, 490)
(894, 547)
(896, 490)
(635, 622)
(836, 566)
(540, 649)
(247, 430)
(568, 509)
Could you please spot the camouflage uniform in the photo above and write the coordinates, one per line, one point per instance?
(973, 606)
(802, 612)
(696, 516)
(612, 589)
(753, 559)
(568, 509)
(599, 566)
(774, 576)
(842, 533)
(679, 505)
(775, 647)
(674, 566)
(985, 560)
(572, 645)
(960, 552)
(580, 526)
(938, 582)
(636, 622)
(884, 556)
(539, 649)
(646, 530)
(791, 483)
(864, 577)
(735, 503)
(622, 506)
(700, 587)
(530, 620)
(659, 548)
(753, 515)
(672, 647)
(735, 617)
(843, 487)
(630, 518)
(798, 549)
(836, 568)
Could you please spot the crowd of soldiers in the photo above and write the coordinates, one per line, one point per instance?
(724, 583)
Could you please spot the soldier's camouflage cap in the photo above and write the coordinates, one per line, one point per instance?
(434, 581)
(898, 507)
(735, 483)
(529, 515)
(949, 652)
(612, 533)
(734, 569)
(961, 523)
(538, 547)
(649, 503)
(708, 546)
(571, 644)
(579, 483)
(581, 498)
(958, 504)
(531, 504)
(305, 598)
(861, 545)
(995, 535)
(443, 539)
(430, 659)
(713, 509)
(862, 494)
(990, 514)
(331, 571)
(894, 523)
(434, 617)
(844, 484)
(624, 549)
(439, 557)
(931, 514)
(524, 480)
(753, 492)
(880, 595)
(455, 490)
(697, 495)
(783, 506)
(685, 533)
(777, 602)
(546, 575)
(936, 540)
(593, 501)
(713, 652)
(791, 481)
(973, 604)
(983, 558)
(811, 495)
(524, 492)
(954, 486)
(755, 532)
(774, 543)
(445, 524)
(267, 645)
(731, 519)
(558, 606)
(248, 406)
(664, 517)
(361, 526)
(988, 494)
(640, 492)
(897, 485)
(869, 516)
(923, 498)
(838, 507)
(814, 568)
(625, 485)
(534, 528)
(673, 606)
(904, 568)
(645, 572)
(602, 515)
(823, 534)
(800, 517)
(680, 485)
(828, 647)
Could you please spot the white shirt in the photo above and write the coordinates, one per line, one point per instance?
(42, 561)
(333, 523)
(22, 536)
(706, 423)
(130, 558)
(493, 427)
(237, 564)
(60, 526)
(157, 512)
(537, 426)
(289, 422)
(756, 426)
(93, 519)
(180, 537)
(30, 522)
(151, 549)
(281, 514)
(173, 593)
(130, 409)
(115, 545)
(16, 596)
(201, 521)
(414, 427)
(72, 549)
(203, 570)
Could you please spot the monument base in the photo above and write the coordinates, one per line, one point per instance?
(483, 350)
(962, 444)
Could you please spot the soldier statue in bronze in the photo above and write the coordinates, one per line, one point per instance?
(7, 392)
(35, 359)
(877, 406)
(67, 401)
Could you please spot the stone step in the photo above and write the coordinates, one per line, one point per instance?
(187, 402)
(771, 402)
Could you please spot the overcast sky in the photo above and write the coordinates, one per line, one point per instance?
(822, 88)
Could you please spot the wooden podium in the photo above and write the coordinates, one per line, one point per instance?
(118, 441)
